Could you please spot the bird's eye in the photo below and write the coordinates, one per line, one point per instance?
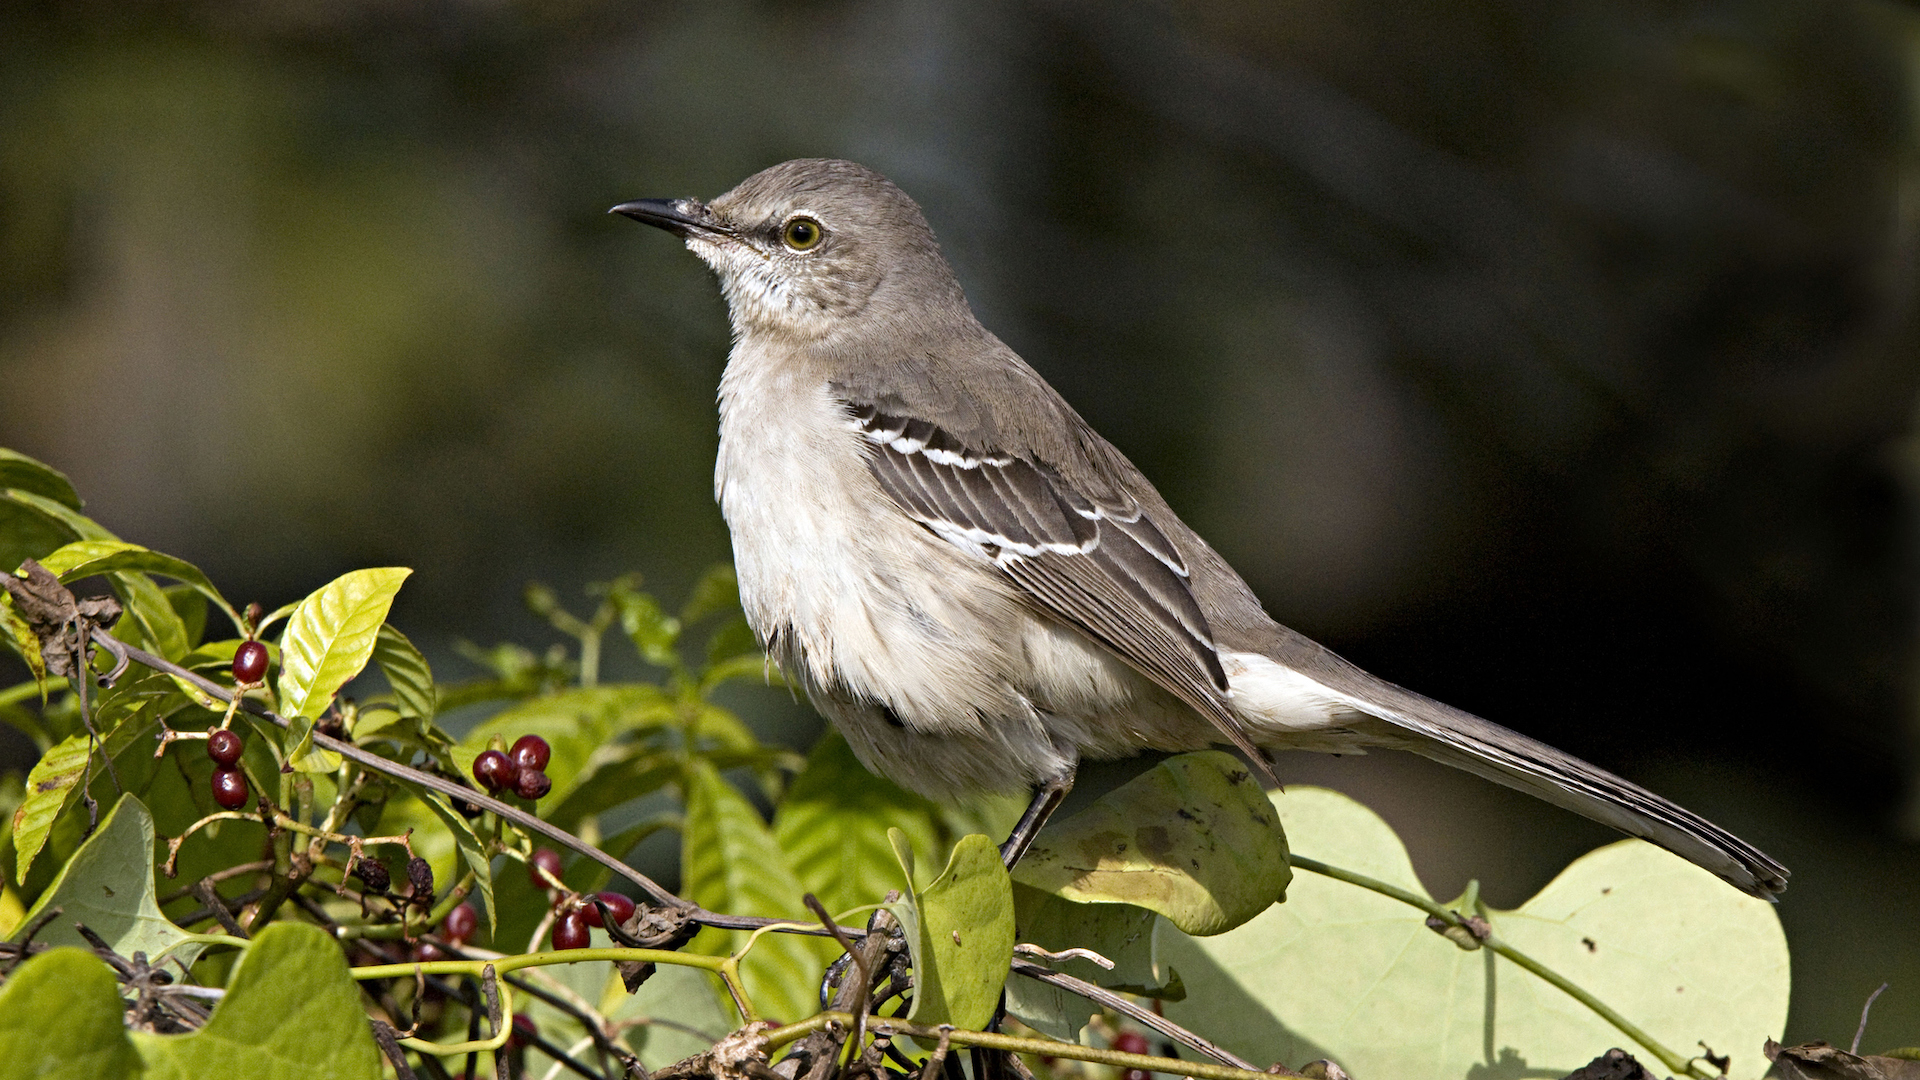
(802, 233)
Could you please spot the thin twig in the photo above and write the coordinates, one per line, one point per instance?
(1861, 1031)
(1147, 1018)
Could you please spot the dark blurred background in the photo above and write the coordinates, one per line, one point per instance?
(1555, 359)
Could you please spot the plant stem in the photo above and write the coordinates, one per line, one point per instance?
(1493, 941)
(995, 1041)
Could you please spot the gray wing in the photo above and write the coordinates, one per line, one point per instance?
(1099, 565)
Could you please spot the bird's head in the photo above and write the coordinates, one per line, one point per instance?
(814, 249)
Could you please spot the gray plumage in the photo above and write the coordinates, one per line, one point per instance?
(976, 587)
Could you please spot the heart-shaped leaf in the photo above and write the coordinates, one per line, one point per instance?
(1343, 972)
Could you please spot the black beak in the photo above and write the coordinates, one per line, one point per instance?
(678, 216)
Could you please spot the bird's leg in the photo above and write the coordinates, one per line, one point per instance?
(1051, 793)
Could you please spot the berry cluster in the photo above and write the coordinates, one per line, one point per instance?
(224, 746)
(576, 914)
(521, 770)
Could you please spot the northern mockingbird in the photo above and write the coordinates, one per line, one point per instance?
(976, 587)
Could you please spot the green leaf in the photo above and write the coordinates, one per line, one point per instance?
(1121, 933)
(1193, 838)
(24, 641)
(149, 610)
(59, 513)
(691, 1019)
(407, 672)
(304, 755)
(1344, 972)
(731, 863)
(330, 637)
(17, 470)
(717, 590)
(291, 1012)
(54, 776)
(961, 932)
(85, 558)
(61, 1016)
(653, 631)
(833, 826)
(108, 884)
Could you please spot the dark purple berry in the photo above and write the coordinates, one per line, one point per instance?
(374, 874)
(1130, 1042)
(524, 1031)
(420, 876)
(224, 748)
(544, 859)
(426, 952)
(532, 784)
(460, 924)
(531, 752)
(570, 931)
(495, 770)
(618, 906)
(249, 662)
(230, 788)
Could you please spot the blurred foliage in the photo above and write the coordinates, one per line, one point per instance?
(1554, 359)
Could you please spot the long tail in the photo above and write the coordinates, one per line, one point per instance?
(1464, 741)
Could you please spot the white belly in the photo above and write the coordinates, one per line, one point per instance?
(927, 658)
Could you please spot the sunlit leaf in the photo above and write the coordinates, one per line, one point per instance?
(17, 470)
(407, 672)
(303, 754)
(85, 558)
(730, 862)
(108, 885)
(52, 778)
(1344, 972)
(833, 826)
(291, 1012)
(960, 928)
(60, 1016)
(330, 637)
(1194, 838)
(23, 640)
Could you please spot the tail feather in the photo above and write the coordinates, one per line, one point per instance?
(1408, 721)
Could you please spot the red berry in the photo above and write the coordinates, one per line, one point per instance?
(224, 747)
(495, 770)
(249, 662)
(427, 952)
(1130, 1042)
(1136, 1074)
(230, 788)
(618, 906)
(570, 931)
(532, 784)
(460, 924)
(544, 859)
(524, 1031)
(531, 752)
